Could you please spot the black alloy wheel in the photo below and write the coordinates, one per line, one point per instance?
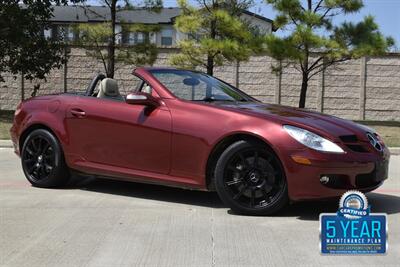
(250, 179)
(43, 161)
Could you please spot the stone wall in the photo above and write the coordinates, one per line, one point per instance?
(367, 88)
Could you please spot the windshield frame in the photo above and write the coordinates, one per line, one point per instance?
(244, 97)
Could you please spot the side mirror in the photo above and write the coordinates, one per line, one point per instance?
(141, 98)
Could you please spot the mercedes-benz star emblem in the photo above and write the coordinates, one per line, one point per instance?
(374, 141)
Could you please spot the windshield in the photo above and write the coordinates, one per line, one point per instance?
(195, 86)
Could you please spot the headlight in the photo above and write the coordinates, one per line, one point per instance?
(312, 140)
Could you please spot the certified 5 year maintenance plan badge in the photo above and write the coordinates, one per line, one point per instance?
(353, 229)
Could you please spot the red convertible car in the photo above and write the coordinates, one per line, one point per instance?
(187, 129)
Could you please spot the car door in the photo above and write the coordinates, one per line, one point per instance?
(114, 133)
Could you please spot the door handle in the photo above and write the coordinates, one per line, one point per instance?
(78, 113)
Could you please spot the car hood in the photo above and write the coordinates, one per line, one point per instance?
(322, 123)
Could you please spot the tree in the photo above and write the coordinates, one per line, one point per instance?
(313, 42)
(100, 39)
(216, 34)
(24, 48)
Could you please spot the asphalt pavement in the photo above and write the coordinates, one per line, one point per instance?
(111, 223)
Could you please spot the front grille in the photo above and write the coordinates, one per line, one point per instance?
(349, 138)
(351, 141)
(357, 148)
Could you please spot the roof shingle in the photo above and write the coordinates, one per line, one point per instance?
(102, 13)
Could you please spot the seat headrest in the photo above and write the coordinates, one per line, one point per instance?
(147, 89)
(109, 87)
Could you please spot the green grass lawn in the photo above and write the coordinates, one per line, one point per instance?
(390, 131)
(389, 134)
(6, 119)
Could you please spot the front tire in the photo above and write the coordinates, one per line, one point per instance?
(249, 178)
(42, 160)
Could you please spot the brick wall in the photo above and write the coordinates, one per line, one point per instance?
(367, 88)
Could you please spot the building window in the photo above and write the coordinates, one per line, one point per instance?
(135, 38)
(47, 33)
(139, 38)
(166, 37)
(153, 37)
(131, 38)
(118, 34)
(67, 33)
(195, 36)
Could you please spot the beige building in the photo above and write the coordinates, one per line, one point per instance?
(66, 16)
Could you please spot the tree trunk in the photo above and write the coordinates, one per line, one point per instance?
(304, 82)
(111, 42)
(303, 92)
(213, 35)
(210, 65)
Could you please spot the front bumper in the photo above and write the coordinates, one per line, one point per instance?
(14, 138)
(351, 171)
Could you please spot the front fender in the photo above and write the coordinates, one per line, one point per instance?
(28, 120)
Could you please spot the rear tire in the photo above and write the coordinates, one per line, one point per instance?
(250, 179)
(43, 161)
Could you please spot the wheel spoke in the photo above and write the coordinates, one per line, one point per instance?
(48, 167)
(45, 148)
(43, 170)
(32, 144)
(28, 160)
(29, 151)
(31, 169)
(39, 171)
(269, 187)
(243, 159)
(239, 181)
(270, 173)
(255, 160)
(244, 188)
(265, 193)
(40, 147)
(233, 168)
(253, 196)
(35, 145)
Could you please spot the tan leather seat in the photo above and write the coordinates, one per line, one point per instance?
(109, 89)
(147, 89)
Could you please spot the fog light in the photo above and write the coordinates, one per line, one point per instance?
(324, 179)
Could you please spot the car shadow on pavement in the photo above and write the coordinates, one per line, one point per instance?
(152, 192)
(305, 210)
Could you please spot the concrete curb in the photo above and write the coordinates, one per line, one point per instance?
(394, 150)
(8, 144)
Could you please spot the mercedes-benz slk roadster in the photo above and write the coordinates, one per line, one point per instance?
(188, 129)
